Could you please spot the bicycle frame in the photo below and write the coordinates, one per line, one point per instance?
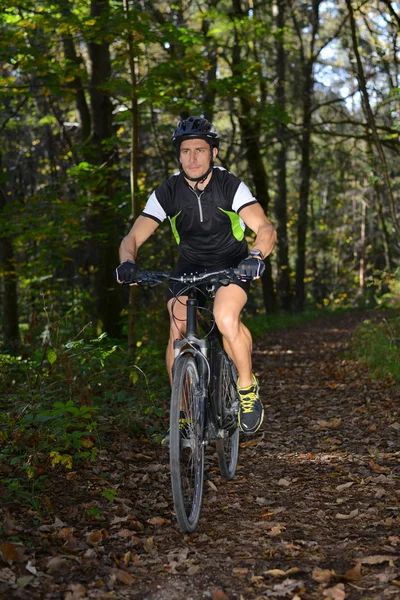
(204, 351)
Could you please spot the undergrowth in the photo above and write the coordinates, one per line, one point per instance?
(377, 344)
(59, 405)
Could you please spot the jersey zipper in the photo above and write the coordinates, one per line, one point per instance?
(198, 196)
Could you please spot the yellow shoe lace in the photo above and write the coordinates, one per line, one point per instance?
(183, 422)
(249, 398)
(248, 401)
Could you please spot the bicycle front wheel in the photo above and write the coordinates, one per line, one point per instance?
(186, 443)
(227, 402)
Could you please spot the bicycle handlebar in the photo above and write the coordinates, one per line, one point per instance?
(155, 277)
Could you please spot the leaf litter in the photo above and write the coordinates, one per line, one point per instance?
(329, 440)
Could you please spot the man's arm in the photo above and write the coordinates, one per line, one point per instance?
(255, 219)
(142, 229)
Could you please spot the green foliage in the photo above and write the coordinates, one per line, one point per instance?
(377, 344)
(260, 324)
(59, 405)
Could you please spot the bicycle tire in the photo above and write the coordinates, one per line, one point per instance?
(226, 399)
(186, 446)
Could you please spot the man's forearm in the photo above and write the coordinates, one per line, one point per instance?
(265, 239)
(127, 249)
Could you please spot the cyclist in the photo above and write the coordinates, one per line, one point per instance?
(208, 208)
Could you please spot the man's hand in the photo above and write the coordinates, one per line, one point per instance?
(251, 267)
(126, 272)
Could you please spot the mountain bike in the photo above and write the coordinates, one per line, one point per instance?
(204, 401)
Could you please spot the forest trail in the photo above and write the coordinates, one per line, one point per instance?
(312, 513)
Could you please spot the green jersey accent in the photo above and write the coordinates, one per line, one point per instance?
(174, 229)
(237, 229)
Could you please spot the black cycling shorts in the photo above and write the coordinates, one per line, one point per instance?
(176, 288)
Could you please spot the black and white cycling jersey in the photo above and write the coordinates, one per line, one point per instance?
(206, 223)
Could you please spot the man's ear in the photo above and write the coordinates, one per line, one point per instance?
(215, 153)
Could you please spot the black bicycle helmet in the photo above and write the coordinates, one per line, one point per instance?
(195, 127)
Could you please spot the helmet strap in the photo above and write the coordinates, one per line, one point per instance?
(202, 177)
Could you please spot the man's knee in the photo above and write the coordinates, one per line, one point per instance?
(228, 322)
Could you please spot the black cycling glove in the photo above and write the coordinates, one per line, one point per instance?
(251, 267)
(127, 272)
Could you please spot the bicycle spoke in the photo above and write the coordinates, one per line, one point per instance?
(186, 444)
(227, 402)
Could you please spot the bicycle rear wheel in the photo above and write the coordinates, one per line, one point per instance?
(186, 443)
(227, 403)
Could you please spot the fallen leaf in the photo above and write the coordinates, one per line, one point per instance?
(193, 569)
(335, 593)
(56, 564)
(353, 574)
(117, 520)
(137, 525)
(323, 575)
(288, 586)
(158, 521)
(12, 553)
(334, 423)
(8, 523)
(239, 572)
(378, 468)
(344, 486)
(96, 536)
(281, 573)
(284, 482)
(149, 547)
(212, 485)
(276, 530)
(7, 576)
(76, 592)
(377, 559)
(29, 567)
(125, 533)
(123, 576)
(344, 517)
(24, 581)
(217, 594)
(264, 515)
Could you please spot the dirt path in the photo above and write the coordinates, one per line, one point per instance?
(313, 512)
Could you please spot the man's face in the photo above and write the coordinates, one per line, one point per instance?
(195, 156)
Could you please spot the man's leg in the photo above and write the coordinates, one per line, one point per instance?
(177, 315)
(229, 302)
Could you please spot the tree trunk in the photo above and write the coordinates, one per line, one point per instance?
(104, 246)
(305, 174)
(75, 62)
(283, 277)
(251, 141)
(305, 166)
(134, 169)
(371, 119)
(10, 295)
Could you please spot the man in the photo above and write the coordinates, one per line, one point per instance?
(208, 208)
